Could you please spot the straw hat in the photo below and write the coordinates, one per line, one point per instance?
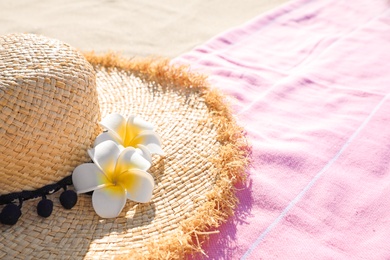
(52, 99)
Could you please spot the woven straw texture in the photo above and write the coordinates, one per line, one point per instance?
(206, 155)
(49, 108)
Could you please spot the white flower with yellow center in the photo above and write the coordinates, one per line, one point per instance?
(131, 132)
(116, 174)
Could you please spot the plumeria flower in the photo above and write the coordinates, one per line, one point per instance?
(116, 174)
(131, 132)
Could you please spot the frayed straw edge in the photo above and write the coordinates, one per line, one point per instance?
(229, 167)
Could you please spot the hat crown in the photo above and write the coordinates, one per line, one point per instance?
(49, 111)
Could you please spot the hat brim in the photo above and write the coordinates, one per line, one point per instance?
(206, 155)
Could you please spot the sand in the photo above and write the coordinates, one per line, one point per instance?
(132, 28)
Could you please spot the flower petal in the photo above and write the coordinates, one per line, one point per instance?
(88, 177)
(105, 155)
(134, 126)
(143, 150)
(107, 136)
(151, 140)
(141, 124)
(131, 159)
(115, 123)
(138, 184)
(108, 202)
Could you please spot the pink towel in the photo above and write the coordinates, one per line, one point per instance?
(310, 83)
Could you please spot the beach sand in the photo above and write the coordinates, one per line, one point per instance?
(132, 28)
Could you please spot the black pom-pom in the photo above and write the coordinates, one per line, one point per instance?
(68, 199)
(45, 208)
(10, 214)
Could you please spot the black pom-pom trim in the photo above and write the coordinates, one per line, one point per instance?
(45, 208)
(68, 199)
(10, 214)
